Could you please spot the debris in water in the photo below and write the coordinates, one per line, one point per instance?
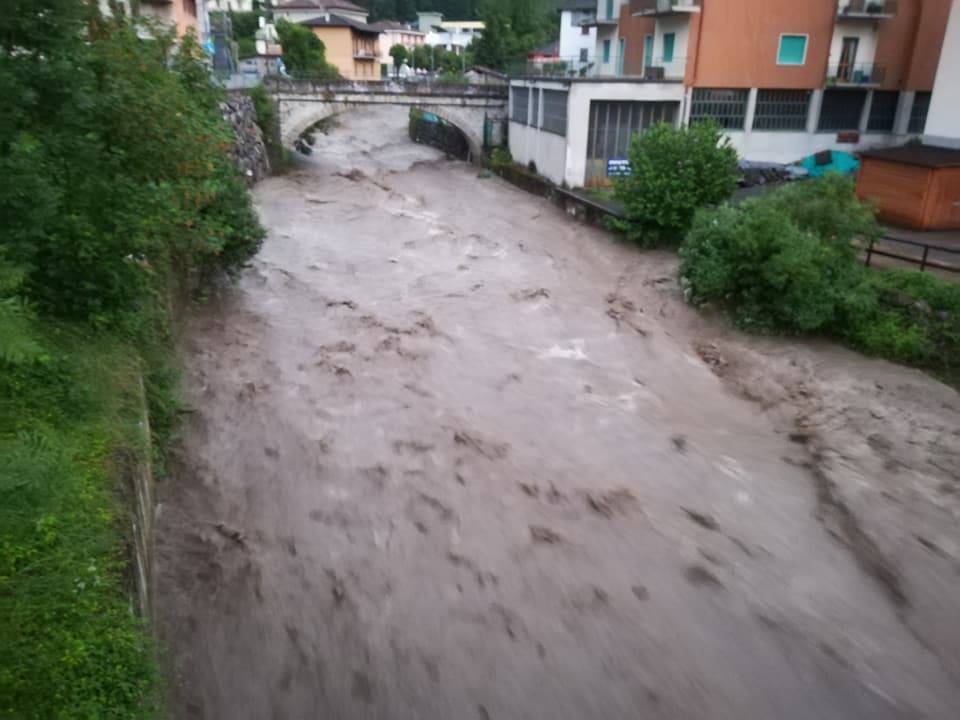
(701, 519)
(544, 535)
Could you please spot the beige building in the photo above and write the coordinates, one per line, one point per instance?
(352, 46)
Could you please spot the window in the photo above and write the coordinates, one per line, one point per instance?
(610, 10)
(793, 50)
(614, 123)
(535, 107)
(584, 29)
(883, 111)
(555, 111)
(520, 103)
(918, 113)
(584, 55)
(668, 42)
(648, 51)
(841, 109)
(728, 108)
(781, 110)
(606, 51)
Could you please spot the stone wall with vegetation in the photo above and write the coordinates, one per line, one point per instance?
(249, 150)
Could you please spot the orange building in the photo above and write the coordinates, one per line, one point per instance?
(352, 46)
(784, 78)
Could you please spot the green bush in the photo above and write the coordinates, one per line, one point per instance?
(673, 173)
(501, 156)
(785, 263)
(772, 274)
(304, 54)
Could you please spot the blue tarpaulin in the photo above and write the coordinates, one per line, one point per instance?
(842, 163)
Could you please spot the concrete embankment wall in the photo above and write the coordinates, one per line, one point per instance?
(249, 151)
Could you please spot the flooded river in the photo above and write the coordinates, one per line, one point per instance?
(455, 456)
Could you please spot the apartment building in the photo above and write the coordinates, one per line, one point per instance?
(353, 47)
(455, 35)
(184, 15)
(578, 37)
(784, 79)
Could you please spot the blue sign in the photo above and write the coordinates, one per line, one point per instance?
(618, 167)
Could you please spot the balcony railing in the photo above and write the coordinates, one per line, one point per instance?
(663, 7)
(872, 9)
(594, 21)
(856, 74)
(656, 70)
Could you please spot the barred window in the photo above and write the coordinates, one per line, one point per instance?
(535, 107)
(918, 113)
(883, 111)
(614, 123)
(841, 109)
(781, 110)
(555, 111)
(520, 104)
(728, 108)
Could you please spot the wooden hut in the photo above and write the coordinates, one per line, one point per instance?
(917, 186)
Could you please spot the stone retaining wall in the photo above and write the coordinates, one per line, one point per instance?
(249, 150)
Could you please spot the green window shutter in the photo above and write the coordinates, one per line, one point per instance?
(606, 51)
(793, 48)
(609, 9)
(668, 41)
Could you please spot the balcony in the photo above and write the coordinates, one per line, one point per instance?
(866, 9)
(663, 7)
(856, 75)
(598, 22)
(365, 54)
(657, 70)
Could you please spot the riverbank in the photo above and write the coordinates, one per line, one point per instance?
(72, 440)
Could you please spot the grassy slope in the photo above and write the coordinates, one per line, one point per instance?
(71, 643)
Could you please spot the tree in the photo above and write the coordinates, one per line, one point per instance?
(400, 55)
(304, 54)
(673, 173)
(423, 57)
(491, 48)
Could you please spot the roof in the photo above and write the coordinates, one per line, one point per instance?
(321, 5)
(384, 25)
(550, 50)
(931, 156)
(340, 21)
(578, 5)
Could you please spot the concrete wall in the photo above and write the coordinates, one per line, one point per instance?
(547, 150)
(943, 120)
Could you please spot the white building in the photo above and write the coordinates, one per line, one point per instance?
(300, 10)
(453, 35)
(578, 38)
(943, 118)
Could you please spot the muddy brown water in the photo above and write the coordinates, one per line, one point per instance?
(456, 456)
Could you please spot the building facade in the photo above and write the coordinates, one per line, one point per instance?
(455, 35)
(784, 79)
(578, 36)
(396, 33)
(352, 46)
(184, 15)
(943, 121)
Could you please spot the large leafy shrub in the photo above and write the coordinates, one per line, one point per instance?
(673, 173)
(785, 262)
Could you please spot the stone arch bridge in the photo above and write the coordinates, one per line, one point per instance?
(302, 104)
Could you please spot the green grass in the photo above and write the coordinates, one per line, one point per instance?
(72, 644)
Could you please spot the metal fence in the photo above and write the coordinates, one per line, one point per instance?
(912, 252)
